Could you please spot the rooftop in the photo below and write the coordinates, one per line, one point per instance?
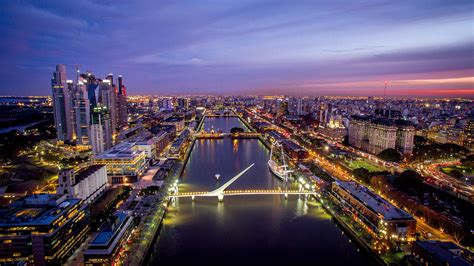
(174, 119)
(276, 134)
(382, 120)
(37, 209)
(291, 145)
(374, 201)
(109, 230)
(444, 252)
(86, 172)
(122, 150)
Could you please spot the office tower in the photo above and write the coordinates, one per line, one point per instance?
(110, 78)
(62, 104)
(82, 113)
(107, 98)
(122, 103)
(100, 130)
(115, 113)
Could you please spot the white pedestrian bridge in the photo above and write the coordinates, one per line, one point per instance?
(221, 191)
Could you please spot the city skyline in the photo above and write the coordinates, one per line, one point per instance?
(245, 131)
(244, 47)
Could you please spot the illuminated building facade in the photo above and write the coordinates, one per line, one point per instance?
(122, 103)
(379, 215)
(469, 135)
(42, 229)
(108, 242)
(124, 162)
(178, 122)
(76, 109)
(82, 114)
(101, 130)
(433, 252)
(86, 184)
(153, 145)
(62, 104)
(180, 143)
(375, 135)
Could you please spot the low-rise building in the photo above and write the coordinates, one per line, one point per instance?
(107, 243)
(170, 129)
(42, 229)
(379, 215)
(273, 135)
(179, 143)
(441, 253)
(86, 184)
(178, 122)
(294, 151)
(153, 145)
(125, 163)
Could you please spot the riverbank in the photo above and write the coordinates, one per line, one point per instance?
(160, 215)
(351, 233)
(174, 242)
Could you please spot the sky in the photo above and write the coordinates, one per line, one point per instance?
(420, 48)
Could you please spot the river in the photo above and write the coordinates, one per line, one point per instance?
(246, 229)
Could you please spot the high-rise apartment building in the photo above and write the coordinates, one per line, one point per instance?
(86, 184)
(62, 104)
(375, 135)
(100, 130)
(122, 103)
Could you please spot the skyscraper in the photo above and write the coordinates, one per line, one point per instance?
(100, 130)
(89, 112)
(82, 113)
(62, 104)
(122, 103)
(108, 98)
(115, 113)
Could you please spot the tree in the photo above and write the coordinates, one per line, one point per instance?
(363, 174)
(456, 173)
(390, 155)
(468, 161)
(345, 141)
(419, 140)
(237, 130)
(409, 179)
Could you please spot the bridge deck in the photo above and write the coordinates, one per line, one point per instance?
(244, 192)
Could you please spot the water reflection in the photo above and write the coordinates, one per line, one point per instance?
(246, 229)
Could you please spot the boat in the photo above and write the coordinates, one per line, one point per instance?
(281, 171)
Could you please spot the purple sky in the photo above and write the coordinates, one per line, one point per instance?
(243, 46)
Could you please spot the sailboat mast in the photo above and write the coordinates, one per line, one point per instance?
(271, 150)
